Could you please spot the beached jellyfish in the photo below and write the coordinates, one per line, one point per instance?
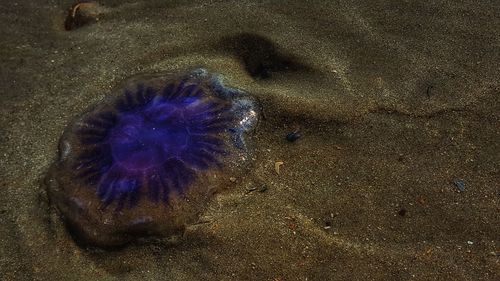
(146, 160)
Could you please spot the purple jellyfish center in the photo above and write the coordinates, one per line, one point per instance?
(139, 142)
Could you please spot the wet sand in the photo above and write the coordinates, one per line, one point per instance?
(394, 100)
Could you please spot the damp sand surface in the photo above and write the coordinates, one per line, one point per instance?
(397, 106)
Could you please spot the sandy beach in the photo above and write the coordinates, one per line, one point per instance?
(395, 175)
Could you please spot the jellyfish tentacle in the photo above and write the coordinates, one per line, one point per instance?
(178, 91)
(165, 183)
(167, 91)
(189, 90)
(153, 187)
(108, 118)
(149, 94)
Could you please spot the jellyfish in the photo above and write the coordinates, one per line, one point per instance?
(147, 159)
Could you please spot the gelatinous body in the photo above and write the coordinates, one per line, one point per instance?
(145, 161)
(154, 141)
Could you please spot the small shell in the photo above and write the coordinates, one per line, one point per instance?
(277, 166)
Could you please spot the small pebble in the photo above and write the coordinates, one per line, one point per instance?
(293, 136)
(460, 184)
(263, 188)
